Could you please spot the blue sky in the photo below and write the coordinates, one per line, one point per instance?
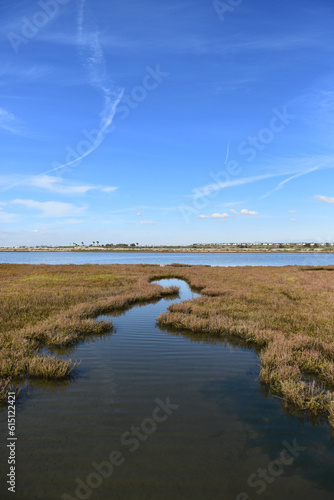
(166, 122)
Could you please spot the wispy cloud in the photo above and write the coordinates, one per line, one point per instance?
(194, 43)
(7, 217)
(109, 189)
(25, 73)
(232, 203)
(52, 184)
(9, 122)
(56, 185)
(277, 43)
(52, 208)
(206, 190)
(291, 167)
(292, 211)
(214, 216)
(324, 199)
(292, 177)
(145, 222)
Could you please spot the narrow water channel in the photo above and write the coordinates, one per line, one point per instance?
(158, 415)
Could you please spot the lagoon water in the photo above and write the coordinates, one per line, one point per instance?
(221, 435)
(211, 259)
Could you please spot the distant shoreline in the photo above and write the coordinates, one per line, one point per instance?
(169, 250)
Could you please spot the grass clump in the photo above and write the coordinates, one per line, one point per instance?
(49, 368)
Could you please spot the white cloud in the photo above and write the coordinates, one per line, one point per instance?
(56, 185)
(109, 189)
(293, 220)
(292, 211)
(214, 216)
(146, 222)
(244, 211)
(52, 208)
(324, 199)
(139, 214)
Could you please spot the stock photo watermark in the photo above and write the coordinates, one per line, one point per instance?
(153, 78)
(131, 441)
(249, 148)
(11, 442)
(266, 476)
(222, 8)
(279, 121)
(30, 26)
(93, 138)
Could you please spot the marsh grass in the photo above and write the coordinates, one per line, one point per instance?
(47, 367)
(55, 307)
(286, 313)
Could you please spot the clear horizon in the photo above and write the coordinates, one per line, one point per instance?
(166, 123)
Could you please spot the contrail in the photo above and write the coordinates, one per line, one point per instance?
(101, 135)
(295, 176)
(94, 62)
(227, 151)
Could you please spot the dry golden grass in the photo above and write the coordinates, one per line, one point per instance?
(55, 306)
(287, 313)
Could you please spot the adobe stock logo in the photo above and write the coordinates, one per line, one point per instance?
(130, 441)
(264, 477)
(223, 7)
(94, 137)
(49, 9)
(153, 78)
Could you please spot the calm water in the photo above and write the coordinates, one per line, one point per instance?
(212, 259)
(219, 433)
